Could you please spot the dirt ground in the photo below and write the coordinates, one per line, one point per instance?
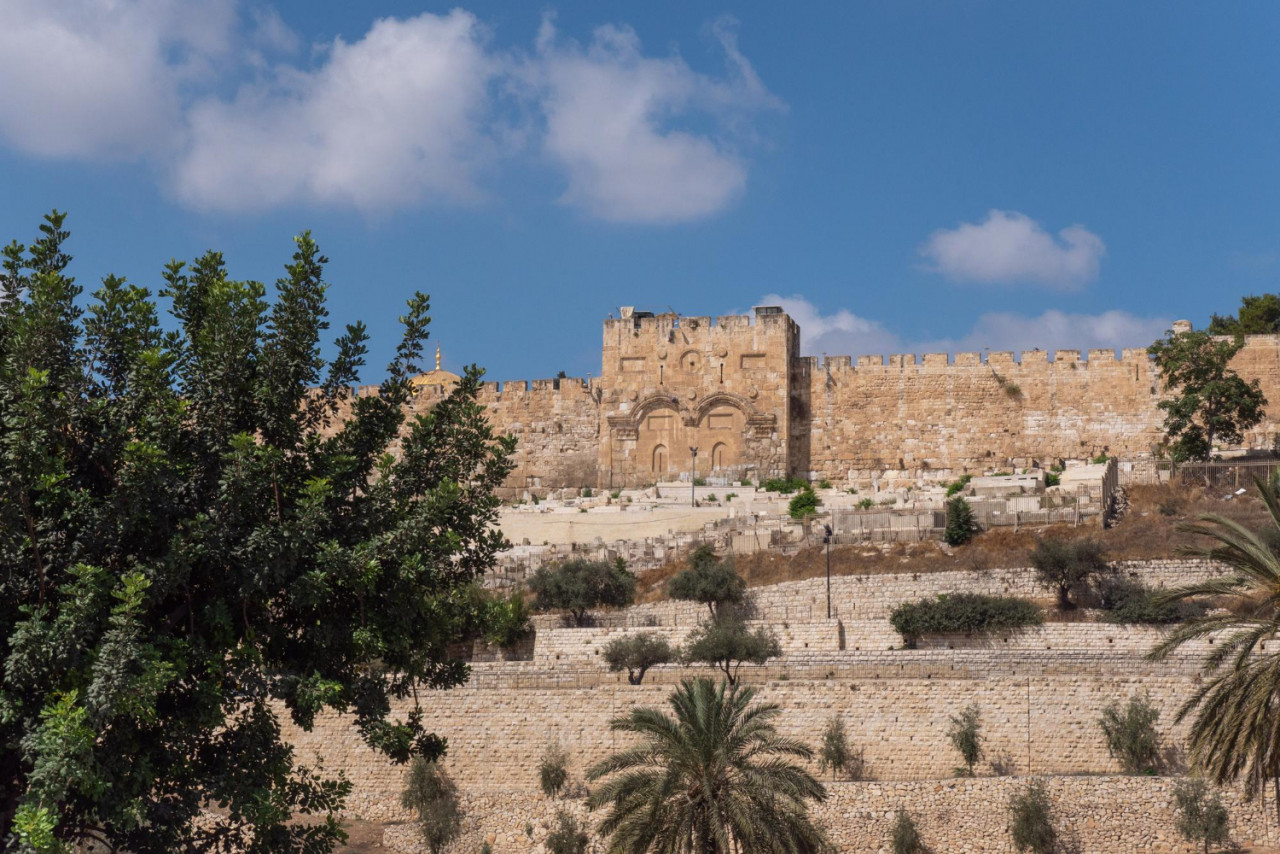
(363, 836)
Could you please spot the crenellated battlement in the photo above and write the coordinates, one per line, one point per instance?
(994, 358)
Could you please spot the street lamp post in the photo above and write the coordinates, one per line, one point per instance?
(826, 539)
(693, 477)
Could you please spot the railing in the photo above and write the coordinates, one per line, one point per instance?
(1226, 474)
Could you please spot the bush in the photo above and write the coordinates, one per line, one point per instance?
(553, 770)
(1052, 479)
(1098, 460)
(586, 492)
(1063, 565)
(568, 836)
(784, 485)
(507, 621)
(824, 484)
(1201, 815)
(805, 504)
(1131, 603)
(906, 839)
(1032, 820)
(637, 653)
(699, 481)
(961, 526)
(866, 504)
(958, 484)
(835, 753)
(726, 643)
(579, 585)
(963, 613)
(966, 737)
(433, 798)
(1131, 735)
(708, 580)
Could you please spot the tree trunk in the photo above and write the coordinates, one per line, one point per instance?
(1064, 598)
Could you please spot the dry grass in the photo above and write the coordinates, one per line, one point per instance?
(1148, 531)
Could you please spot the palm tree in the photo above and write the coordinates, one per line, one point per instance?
(1236, 729)
(715, 779)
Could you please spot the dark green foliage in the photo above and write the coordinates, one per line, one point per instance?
(1052, 478)
(958, 484)
(577, 586)
(1131, 735)
(1130, 603)
(835, 754)
(804, 504)
(568, 837)
(961, 524)
(637, 653)
(965, 734)
(708, 580)
(1201, 815)
(726, 643)
(715, 777)
(1208, 402)
(1031, 820)
(433, 798)
(1259, 315)
(1066, 565)
(192, 542)
(784, 485)
(553, 770)
(963, 612)
(906, 839)
(506, 621)
(824, 484)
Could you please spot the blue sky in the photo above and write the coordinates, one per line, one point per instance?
(904, 176)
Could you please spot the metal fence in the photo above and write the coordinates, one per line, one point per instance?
(1226, 474)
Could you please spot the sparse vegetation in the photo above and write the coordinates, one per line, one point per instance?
(699, 481)
(866, 504)
(962, 613)
(1128, 602)
(553, 770)
(965, 734)
(577, 586)
(906, 839)
(568, 836)
(824, 484)
(961, 524)
(835, 755)
(1031, 820)
(958, 484)
(587, 492)
(1066, 565)
(1131, 735)
(1201, 815)
(637, 653)
(433, 799)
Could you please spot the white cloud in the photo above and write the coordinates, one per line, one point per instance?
(843, 333)
(97, 78)
(1010, 247)
(610, 124)
(384, 122)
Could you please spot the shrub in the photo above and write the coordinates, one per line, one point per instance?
(433, 798)
(708, 580)
(699, 481)
(835, 753)
(553, 770)
(586, 492)
(1131, 603)
(906, 839)
(866, 504)
(966, 737)
(725, 643)
(1052, 479)
(1201, 815)
(963, 613)
(579, 585)
(637, 653)
(958, 484)
(731, 496)
(711, 496)
(1101, 458)
(1032, 820)
(1063, 565)
(507, 621)
(786, 486)
(824, 484)
(568, 837)
(805, 504)
(961, 525)
(1131, 735)
(1013, 390)
(616, 494)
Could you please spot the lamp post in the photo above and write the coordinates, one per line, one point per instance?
(826, 539)
(693, 477)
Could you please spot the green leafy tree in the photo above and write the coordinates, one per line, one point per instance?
(835, 754)
(506, 621)
(1031, 822)
(1131, 735)
(906, 839)
(804, 504)
(432, 796)
(1233, 733)
(714, 778)
(1208, 402)
(577, 586)
(568, 837)
(726, 643)
(1258, 315)
(965, 733)
(961, 524)
(1201, 815)
(637, 653)
(708, 580)
(553, 770)
(204, 527)
(1066, 565)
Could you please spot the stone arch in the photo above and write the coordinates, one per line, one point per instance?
(721, 399)
(720, 456)
(661, 459)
